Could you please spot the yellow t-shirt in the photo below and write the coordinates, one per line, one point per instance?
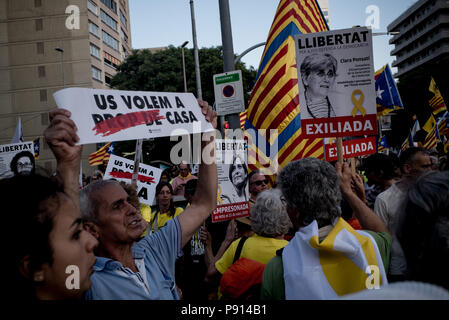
(256, 247)
(162, 218)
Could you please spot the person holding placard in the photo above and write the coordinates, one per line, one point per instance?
(127, 269)
(318, 73)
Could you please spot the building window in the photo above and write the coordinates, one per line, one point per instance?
(123, 52)
(107, 79)
(37, 3)
(123, 19)
(111, 4)
(110, 40)
(43, 95)
(108, 20)
(94, 51)
(111, 61)
(40, 47)
(93, 28)
(123, 35)
(41, 71)
(92, 7)
(39, 24)
(44, 119)
(96, 73)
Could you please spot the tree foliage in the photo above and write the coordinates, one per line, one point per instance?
(144, 70)
(162, 71)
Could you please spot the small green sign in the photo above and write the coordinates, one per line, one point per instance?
(227, 78)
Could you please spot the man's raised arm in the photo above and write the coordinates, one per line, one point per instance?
(205, 198)
(61, 137)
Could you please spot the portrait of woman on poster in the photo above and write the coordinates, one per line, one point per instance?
(318, 73)
(238, 176)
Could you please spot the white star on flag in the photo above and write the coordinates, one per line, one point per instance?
(379, 93)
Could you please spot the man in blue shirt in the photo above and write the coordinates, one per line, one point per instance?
(126, 269)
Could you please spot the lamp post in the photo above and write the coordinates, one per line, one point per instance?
(184, 65)
(195, 53)
(62, 64)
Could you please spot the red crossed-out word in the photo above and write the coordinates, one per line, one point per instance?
(128, 175)
(126, 121)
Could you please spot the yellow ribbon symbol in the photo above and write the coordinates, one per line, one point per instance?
(219, 200)
(358, 103)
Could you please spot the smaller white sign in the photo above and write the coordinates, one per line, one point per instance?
(228, 90)
(122, 169)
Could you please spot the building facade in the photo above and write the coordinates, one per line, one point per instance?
(423, 35)
(324, 5)
(92, 37)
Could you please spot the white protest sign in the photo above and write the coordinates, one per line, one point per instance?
(16, 158)
(114, 115)
(336, 83)
(232, 168)
(122, 169)
(228, 91)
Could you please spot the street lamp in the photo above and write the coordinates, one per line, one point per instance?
(184, 65)
(62, 64)
(195, 53)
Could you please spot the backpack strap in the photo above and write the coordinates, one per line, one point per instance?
(238, 251)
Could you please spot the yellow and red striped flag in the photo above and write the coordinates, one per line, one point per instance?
(274, 102)
(102, 155)
(243, 119)
(436, 103)
(430, 127)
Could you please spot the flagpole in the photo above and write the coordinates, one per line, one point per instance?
(137, 159)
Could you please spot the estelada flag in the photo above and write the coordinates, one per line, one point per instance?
(101, 155)
(383, 144)
(443, 125)
(388, 98)
(274, 102)
(37, 148)
(436, 103)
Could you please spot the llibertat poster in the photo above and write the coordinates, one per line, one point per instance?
(17, 159)
(232, 169)
(336, 83)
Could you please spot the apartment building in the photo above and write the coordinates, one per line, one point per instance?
(46, 45)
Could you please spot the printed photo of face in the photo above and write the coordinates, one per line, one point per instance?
(319, 82)
(24, 166)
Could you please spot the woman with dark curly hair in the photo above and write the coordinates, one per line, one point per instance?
(53, 257)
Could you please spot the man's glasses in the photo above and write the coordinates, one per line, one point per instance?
(259, 182)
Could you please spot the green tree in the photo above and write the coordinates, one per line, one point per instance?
(144, 70)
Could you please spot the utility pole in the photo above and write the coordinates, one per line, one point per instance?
(228, 53)
(195, 53)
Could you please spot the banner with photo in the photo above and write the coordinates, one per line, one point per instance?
(16, 159)
(122, 169)
(232, 167)
(336, 83)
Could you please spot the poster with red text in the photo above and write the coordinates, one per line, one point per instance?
(122, 169)
(351, 148)
(336, 83)
(114, 115)
(232, 171)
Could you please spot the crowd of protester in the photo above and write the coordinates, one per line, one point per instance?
(323, 231)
